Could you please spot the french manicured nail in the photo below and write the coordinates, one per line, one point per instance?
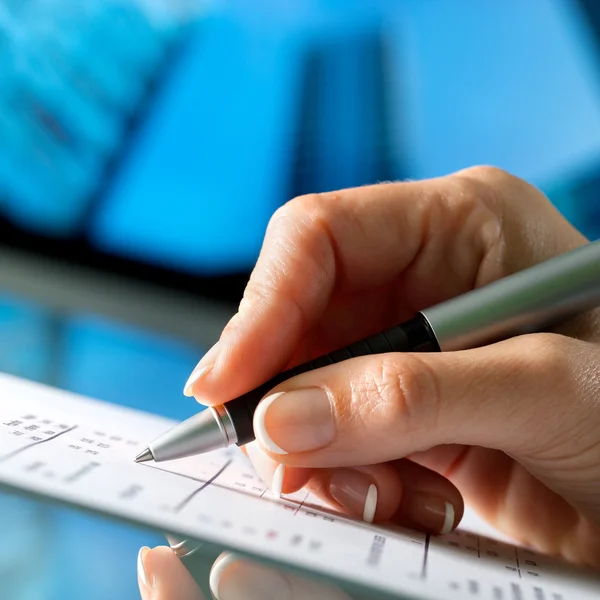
(356, 492)
(277, 484)
(201, 369)
(268, 470)
(296, 421)
(142, 574)
(433, 513)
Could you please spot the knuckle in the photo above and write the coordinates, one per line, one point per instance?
(297, 228)
(475, 191)
(280, 215)
(499, 190)
(547, 356)
(565, 391)
(308, 203)
(487, 187)
(405, 391)
(481, 187)
(293, 244)
(260, 292)
(298, 208)
(486, 174)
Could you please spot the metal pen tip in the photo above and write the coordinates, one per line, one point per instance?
(144, 456)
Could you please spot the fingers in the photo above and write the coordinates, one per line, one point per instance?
(516, 502)
(281, 480)
(430, 502)
(370, 493)
(524, 396)
(344, 242)
(234, 578)
(325, 256)
(402, 492)
(162, 576)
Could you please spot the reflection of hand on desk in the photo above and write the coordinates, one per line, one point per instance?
(230, 577)
(504, 571)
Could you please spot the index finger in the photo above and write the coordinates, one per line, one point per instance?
(312, 245)
(430, 238)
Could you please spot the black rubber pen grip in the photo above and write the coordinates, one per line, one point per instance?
(412, 336)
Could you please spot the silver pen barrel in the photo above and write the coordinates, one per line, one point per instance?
(205, 431)
(525, 302)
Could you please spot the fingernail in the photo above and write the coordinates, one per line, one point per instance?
(267, 469)
(201, 369)
(141, 569)
(296, 421)
(277, 485)
(433, 513)
(356, 492)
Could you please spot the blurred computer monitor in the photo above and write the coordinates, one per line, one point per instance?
(155, 138)
(154, 142)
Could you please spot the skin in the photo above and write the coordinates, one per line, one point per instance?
(513, 428)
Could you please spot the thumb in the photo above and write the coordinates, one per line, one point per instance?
(527, 396)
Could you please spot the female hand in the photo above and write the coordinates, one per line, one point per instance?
(512, 427)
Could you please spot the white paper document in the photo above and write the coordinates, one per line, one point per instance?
(81, 452)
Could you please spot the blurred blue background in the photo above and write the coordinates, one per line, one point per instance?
(161, 135)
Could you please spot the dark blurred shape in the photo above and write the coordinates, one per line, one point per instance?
(141, 143)
(591, 12)
(344, 116)
(78, 79)
(141, 139)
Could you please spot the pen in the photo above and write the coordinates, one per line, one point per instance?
(525, 302)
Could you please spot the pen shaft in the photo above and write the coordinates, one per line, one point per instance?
(524, 302)
(412, 336)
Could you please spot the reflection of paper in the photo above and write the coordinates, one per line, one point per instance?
(80, 451)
